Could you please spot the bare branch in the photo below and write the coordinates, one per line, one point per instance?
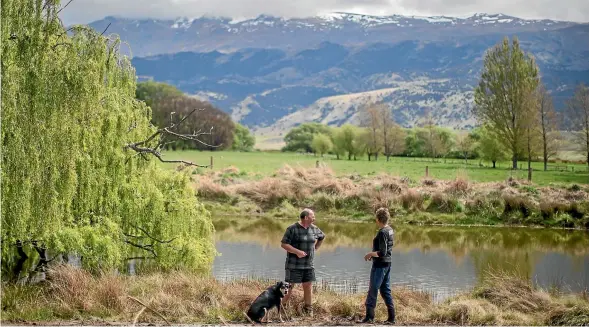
(139, 258)
(148, 248)
(163, 132)
(105, 29)
(62, 8)
(151, 237)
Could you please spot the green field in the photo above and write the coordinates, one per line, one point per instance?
(266, 163)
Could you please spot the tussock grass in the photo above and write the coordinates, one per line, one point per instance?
(73, 294)
(355, 196)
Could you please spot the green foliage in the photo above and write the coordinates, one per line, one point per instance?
(300, 137)
(489, 148)
(321, 144)
(151, 92)
(508, 80)
(68, 110)
(346, 140)
(170, 106)
(243, 140)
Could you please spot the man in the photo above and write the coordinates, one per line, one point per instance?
(380, 274)
(300, 241)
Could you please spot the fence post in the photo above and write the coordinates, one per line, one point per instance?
(530, 174)
(211, 162)
(426, 171)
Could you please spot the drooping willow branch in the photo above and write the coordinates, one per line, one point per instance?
(168, 131)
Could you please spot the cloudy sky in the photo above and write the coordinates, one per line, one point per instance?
(86, 11)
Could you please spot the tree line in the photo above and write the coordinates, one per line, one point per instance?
(169, 105)
(428, 140)
(515, 112)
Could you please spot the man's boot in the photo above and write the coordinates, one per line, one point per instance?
(369, 318)
(308, 310)
(391, 315)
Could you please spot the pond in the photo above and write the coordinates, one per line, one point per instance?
(440, 260)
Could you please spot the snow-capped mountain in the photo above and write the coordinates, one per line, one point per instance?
(273, 73)
(152, 36)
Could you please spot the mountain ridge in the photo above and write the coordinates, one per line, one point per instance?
(155, 36)
(271, 74)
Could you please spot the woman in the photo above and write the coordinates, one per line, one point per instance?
(380, 274)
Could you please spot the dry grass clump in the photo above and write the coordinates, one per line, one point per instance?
(356, 196)
(465, 311)
(509, 292)
(459, 186)
(412, 200)
(75, 289)
(208, 189)
(72, 293)
(443, 203)
(272, 191)
(576, 314)
(428, 182)
(517, 203)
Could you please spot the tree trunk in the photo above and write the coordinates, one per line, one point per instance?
(369, 155)
(529, 156)
(587, 142)
(494, 163)
(376, 156)
(544, 144)
(350, 156)
(388, 157)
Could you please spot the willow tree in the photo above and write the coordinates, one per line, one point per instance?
(73, 180)
(509, 76)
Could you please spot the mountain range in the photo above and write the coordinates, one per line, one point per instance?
(272, 73)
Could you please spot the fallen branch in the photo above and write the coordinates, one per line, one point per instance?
(222, 320)
(150, 309)
(137, 316)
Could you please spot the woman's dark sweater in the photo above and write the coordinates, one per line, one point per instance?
(383, 244)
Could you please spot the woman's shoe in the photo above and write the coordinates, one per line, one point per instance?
(369, 318)
(391, 315)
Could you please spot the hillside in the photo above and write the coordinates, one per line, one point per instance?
(272, 73)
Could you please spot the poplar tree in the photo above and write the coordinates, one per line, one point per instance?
(509, 76)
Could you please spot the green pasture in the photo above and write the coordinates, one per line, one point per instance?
(267, 163)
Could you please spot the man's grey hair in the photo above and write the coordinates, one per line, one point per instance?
(305, 213)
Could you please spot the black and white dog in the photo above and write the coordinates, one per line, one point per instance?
(270, 298)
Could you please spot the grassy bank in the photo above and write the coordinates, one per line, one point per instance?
(74, 295)
(423, 201)
(267, 163)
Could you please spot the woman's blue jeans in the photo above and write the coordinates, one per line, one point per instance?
(380, 279)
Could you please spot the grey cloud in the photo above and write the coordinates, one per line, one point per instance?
(85, 11)
(571, 10)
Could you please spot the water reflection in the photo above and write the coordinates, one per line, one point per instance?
(441, 260)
